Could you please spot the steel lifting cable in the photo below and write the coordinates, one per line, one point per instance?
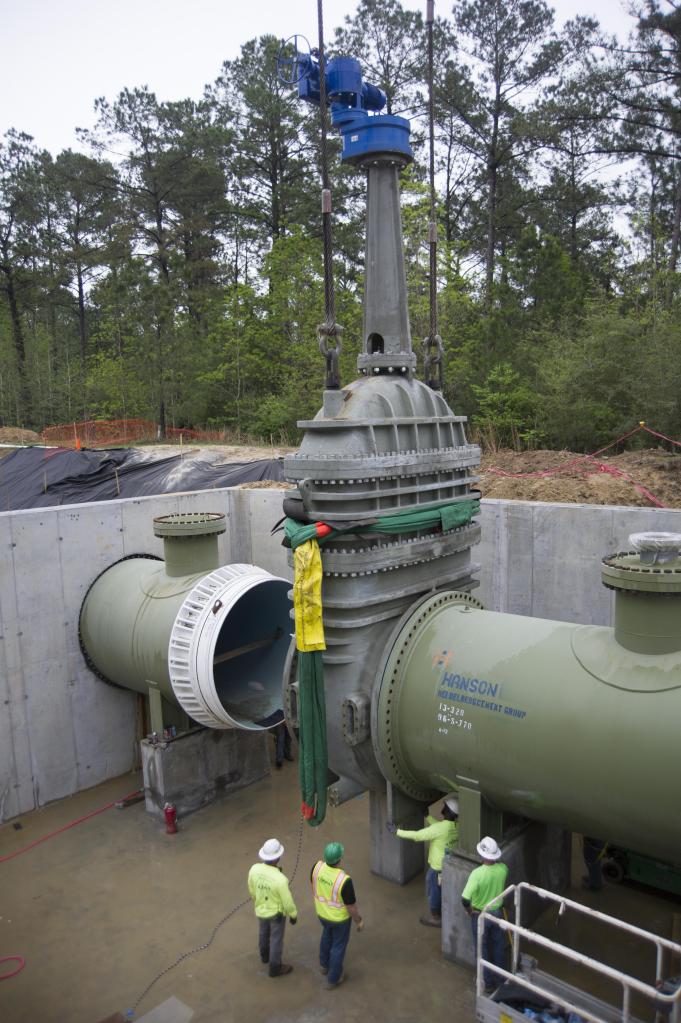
(432, 346)
(130, 1013)
(329, 329)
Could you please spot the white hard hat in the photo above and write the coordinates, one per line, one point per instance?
(488, 849)
(272, 850)
(452, 803)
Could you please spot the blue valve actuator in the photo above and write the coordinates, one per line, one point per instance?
(355, 110)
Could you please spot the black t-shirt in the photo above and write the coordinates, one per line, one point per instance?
(347, 892)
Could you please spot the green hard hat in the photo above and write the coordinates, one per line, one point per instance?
(333, 853)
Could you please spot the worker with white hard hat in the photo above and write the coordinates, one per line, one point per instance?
(268, 887)
(442, 836)
(483, 891)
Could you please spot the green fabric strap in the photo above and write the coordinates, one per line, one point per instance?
(448, 515)
(312, 760)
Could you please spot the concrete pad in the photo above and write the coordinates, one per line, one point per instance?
(99, 910)
(170, 1011)
(102, 908)
(198, 767)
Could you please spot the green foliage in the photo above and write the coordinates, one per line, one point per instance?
(181, 280)
(507, 408)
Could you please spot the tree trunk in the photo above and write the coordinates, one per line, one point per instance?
(82, 330)
(18, 338)
(676, 228)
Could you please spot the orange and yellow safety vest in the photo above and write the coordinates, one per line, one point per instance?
(326, 887)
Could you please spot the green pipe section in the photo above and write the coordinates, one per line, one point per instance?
(129, 612)
(550, 720)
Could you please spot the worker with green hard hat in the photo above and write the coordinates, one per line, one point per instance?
(268, 887)
(442, 835)
(336, 906)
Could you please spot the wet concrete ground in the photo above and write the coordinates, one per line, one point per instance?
(100, 909)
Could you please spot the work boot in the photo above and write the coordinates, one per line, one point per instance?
(343, 977)
(432, 920)
(280, 971)
(323, 970)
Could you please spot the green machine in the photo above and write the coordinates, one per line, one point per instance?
(567, 724)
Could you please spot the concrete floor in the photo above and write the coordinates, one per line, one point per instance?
(98, 910)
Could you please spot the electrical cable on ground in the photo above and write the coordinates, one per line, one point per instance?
(72, 824)
(11, 959)
(130, 1013)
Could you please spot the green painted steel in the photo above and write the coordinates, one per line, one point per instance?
(126, 620)
(647, 617)
(190, 541)
(553, 721)
(129, 611)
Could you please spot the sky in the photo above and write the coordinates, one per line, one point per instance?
(60, 55)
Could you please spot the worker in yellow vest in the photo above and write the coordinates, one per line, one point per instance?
(268, 887)
(336, 906)
(442, 836)
(483, 889)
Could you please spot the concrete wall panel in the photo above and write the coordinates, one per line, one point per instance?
(104, 727)
(16, 786)
(53, 746)
(265, 512)
(37, 569)
(136, 522)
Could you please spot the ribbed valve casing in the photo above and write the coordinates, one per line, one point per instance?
(383, 444)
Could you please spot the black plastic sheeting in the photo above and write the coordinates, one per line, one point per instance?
(43, 477)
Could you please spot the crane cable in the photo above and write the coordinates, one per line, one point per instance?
(432, 346)
(329, 329)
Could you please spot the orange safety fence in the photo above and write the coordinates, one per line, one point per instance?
(106, 433)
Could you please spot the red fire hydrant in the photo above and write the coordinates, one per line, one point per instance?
(170, 813)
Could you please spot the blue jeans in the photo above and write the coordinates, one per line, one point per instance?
(493, 947)
(433, 891)
(335, 938)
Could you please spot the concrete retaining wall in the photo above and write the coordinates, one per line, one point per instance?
(62, 729)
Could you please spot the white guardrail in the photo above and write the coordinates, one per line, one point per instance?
(667, 1006)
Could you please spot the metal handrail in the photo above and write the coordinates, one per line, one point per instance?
(627, 982)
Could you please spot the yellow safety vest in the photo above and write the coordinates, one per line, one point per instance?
(326, 887)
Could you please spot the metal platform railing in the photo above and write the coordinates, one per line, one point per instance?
(666, 1006)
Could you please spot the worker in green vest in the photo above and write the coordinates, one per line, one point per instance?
(485, 885)
(336, 906)
(442, 836)
(268, 887)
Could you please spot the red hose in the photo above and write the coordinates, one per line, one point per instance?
(12, 973)
(86, 817)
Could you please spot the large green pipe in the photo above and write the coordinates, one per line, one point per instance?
(213, 639)
(554, 721)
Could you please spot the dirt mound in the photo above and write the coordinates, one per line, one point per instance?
(16, 435)
(646, 478)
(266, 485)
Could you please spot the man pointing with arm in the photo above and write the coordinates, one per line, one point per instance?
(441, 836)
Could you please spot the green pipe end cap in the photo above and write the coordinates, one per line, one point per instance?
(190, 524)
